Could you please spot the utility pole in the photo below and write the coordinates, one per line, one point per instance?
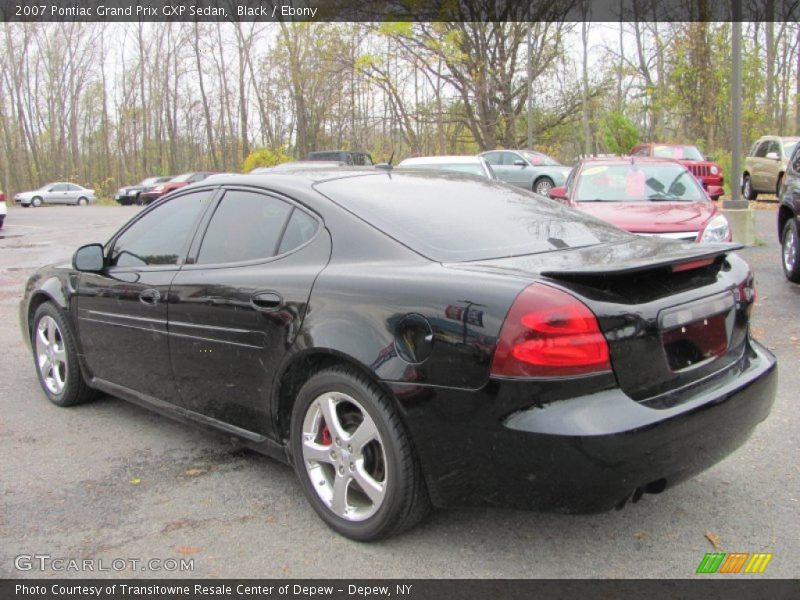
(530, 83)
(736, 210)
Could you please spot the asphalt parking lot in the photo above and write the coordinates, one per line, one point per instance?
(110, 480)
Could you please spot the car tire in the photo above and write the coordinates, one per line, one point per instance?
(55, 358)
(2, 221)
(790, 251)
(543, 185)
(747, 189)
(82, 201)
(36, 202)
(359, 471)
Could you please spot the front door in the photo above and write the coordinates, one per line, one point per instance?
(236, 311)
(122, 311)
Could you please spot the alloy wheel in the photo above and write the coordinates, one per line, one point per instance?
(51, 355)
(790, 250)
(344, 456)
(543, 187)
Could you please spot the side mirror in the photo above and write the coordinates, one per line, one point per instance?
(89, 258)
(773, 155)
(519, 163)
(710, 159)
(715, 191)
(558, 193)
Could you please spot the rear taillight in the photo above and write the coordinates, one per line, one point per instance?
(549, 333)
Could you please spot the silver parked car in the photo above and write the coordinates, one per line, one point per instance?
(475, 165)
(531, 170)
(56, 193)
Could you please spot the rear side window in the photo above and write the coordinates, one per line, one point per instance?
(493, 158)
(245, 226)
(300, 229)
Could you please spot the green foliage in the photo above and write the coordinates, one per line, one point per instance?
(618, 133)
(264, 157)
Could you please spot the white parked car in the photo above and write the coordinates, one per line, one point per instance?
(474, 165)
(56, 193)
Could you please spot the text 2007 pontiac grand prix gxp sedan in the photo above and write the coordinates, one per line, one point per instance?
(409, 339)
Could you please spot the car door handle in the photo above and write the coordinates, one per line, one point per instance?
(150, 296)
(266, 301)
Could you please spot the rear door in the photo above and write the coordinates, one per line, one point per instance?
(122, 311)
(234, 312)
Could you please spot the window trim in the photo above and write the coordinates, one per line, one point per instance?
(109, 246)
(191, 263)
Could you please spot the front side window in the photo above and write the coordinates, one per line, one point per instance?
(761, 151)
(60, 187)
(160, 237)
(245, 226)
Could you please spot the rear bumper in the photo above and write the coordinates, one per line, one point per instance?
(592, 451)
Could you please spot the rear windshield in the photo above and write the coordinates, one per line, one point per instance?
(448, 218)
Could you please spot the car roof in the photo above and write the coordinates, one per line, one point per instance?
(434, 160)
(783, 138)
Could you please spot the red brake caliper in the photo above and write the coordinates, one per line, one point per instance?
(326, 436)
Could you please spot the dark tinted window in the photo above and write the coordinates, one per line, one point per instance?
(795, 160)
(300, 229)
(161, 235)
(449, 218)
(761, 151)
(245, 226)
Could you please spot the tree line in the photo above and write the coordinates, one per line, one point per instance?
(107, 104)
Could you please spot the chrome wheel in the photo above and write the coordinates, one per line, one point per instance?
(51, 355)
(789, 250)
(344, 456)
(543, 187)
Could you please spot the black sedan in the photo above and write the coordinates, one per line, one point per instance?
(130, 194)
(413, 339)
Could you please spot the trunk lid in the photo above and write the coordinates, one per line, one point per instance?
(673, 313)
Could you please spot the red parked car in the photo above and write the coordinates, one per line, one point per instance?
(710, 173)
(646, 196)
(155, 192)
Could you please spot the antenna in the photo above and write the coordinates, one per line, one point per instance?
(386, 166)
